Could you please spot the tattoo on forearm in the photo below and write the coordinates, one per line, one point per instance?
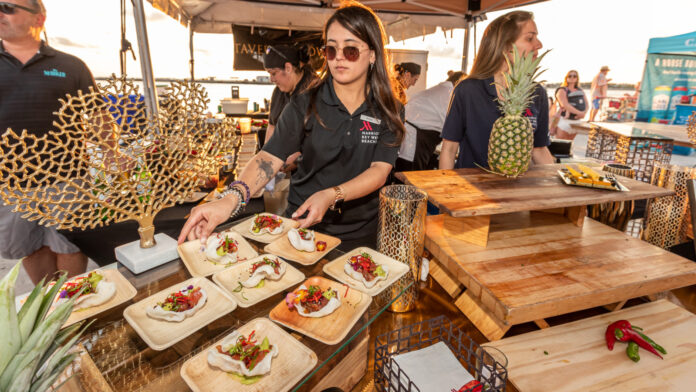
(265, 172)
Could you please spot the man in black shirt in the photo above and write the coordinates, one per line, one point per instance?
(33, 76)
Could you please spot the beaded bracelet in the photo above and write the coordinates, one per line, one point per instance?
(240, 197)
(246, 188)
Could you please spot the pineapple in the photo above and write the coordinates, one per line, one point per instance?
(512, 137)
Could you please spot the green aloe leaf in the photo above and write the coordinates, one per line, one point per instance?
(27, 315)
(10, 337)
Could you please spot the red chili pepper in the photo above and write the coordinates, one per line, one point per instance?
(609, 334)
(622, 331)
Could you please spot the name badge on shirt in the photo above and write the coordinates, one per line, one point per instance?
(370, 119)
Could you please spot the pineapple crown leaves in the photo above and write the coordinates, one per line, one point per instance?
(519, 82)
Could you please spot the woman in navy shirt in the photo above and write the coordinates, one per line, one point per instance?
(474, 107)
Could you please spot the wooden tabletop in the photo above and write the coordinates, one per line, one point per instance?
(538, 265)
(574, 356)
(471, 192)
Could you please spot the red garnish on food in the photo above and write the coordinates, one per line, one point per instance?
(182, 300)
(312, 299)
(321, 246)
(246, 350)
(266, 261)
(363, 263)
(228, 246)
(304, 234)
(266, 221)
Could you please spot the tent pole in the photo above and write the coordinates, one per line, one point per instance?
(465, 52)
(191, 61)
(149, 89)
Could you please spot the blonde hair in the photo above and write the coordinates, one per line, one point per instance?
(496, 42)
(577, 80)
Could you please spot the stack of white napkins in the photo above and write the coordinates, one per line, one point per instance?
(434, 368)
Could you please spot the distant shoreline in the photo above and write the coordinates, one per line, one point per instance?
(584, 86)
(588, 86)
(210, 81)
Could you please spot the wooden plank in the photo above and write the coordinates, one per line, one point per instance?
(539, 265)
(576, 214)
(349, 371)
(574, 356)
(472, 229)
(474, 192)
(445, 278)
(541, 323)
(490, 326)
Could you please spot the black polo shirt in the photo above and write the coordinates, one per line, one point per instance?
(279, 99)
(472, 112)
(29, 92)
(333, 153)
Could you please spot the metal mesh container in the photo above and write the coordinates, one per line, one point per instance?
(479, 363)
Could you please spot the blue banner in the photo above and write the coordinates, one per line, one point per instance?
(668, 80)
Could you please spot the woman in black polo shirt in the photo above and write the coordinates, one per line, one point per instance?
(347, 128)
(474, 107)
(290, 71)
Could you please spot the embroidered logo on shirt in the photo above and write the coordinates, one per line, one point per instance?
(54, 72)
(532, 118)
(367, 134)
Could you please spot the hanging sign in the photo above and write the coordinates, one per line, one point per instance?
(249, 47)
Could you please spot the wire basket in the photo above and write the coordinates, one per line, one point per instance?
(390, 378)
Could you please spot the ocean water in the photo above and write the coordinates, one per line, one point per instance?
(258, 92)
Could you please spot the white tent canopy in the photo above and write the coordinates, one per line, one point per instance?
(402, 18)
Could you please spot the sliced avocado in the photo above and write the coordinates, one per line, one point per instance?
(221, 251)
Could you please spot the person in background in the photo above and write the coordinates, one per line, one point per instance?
(407, 75)
(425, 115)
(291, 73)
(28, 98)
(598, 90)
(474, 105)
(572, 103)
(348, 128)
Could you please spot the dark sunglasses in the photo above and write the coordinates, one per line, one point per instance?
(351, 53)
(572, 76)
(269, 48)
(10, 8)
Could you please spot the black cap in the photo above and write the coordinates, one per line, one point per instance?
(277, 55)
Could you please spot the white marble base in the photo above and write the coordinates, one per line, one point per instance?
(139, 260)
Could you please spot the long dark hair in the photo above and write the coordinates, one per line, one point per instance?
(497, 40)
(364, 24)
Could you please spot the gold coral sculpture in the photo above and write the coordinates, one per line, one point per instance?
(691, 127)
(107, 162)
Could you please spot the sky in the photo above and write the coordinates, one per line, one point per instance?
(582, 35)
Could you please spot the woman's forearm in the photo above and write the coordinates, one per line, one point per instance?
(366, 182)
(260, 169)
(448, 154)
(542, 156)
